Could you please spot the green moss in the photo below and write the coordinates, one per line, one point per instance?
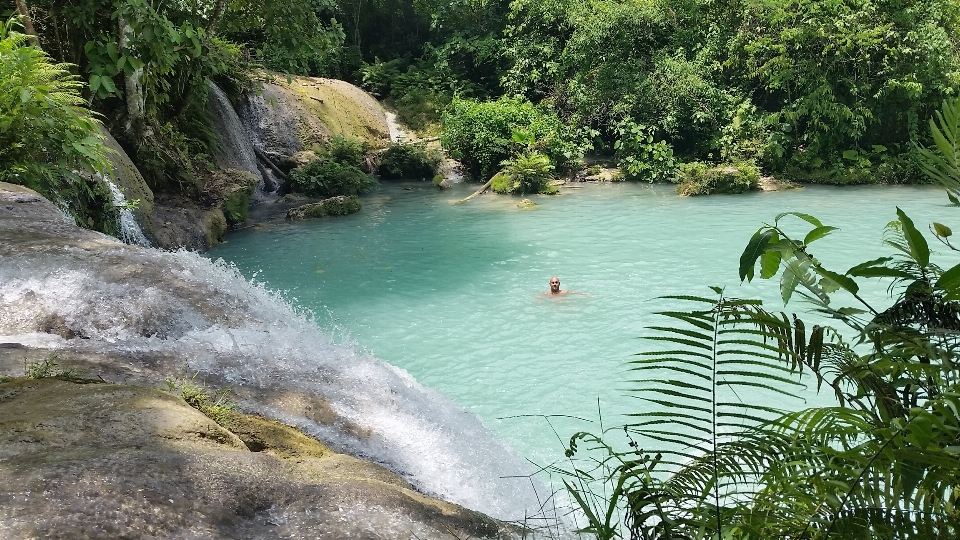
(526, 204)
(334, 206)
(698, 178)
(262, 435)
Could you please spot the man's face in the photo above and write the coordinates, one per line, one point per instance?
(554, 285)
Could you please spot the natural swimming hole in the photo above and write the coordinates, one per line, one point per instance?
(451, 293)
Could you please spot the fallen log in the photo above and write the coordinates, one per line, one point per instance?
(475, 193)
(273, 167)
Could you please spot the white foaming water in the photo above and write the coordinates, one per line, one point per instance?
(198, 315)
(396, 132)
(127, 226)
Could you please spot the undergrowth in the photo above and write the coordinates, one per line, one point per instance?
(216, 405)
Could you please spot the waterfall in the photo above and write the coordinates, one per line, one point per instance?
(142, 316)
(396, 132)
(127, 226)
(234, 149)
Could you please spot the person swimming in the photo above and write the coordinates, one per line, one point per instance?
(555, 290)
(555, 286)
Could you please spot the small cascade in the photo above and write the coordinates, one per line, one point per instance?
(127, 226)
(234, 149)
(397, 134)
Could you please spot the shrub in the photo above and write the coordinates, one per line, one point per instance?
(481, 134)
(408, 161)
(640, 157)
(530, 172)
(348, 151)
(326, 177)
(47, 133)
(698, 178)
(334, 206)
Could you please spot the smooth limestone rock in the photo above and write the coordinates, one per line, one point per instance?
(333, 206)
(291, 114)
(125, 460)
(233, 149)
(118, 461)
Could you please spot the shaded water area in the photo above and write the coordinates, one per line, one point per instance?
(450, 293)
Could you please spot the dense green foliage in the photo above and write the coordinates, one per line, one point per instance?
(49, 139)
(698, 178)
(408, 161)
(529, 172)
(483, 134)
(809, 90)
(337, 172)
(327, 177)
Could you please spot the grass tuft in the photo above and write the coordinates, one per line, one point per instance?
(216, 405)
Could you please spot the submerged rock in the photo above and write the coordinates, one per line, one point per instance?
(89, 460)
(334, 206)
(526, 204)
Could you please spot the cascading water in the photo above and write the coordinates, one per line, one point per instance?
(157, 315)
(396, 132)
(127, 226)
(235, 149)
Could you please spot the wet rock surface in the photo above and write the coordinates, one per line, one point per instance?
(333, 206)
(126, 314)
(100, 460)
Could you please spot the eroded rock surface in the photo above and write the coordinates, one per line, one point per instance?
(112, 461)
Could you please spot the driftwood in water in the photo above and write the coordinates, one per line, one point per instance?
(276, 170)
(475, 193)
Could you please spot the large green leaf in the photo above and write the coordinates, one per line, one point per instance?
(919, 249)
(755, 248)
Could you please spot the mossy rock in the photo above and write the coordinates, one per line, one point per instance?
(699, 178)
(334, 206)
(262, 435)
(526, 204)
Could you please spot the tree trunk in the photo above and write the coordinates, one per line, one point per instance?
(133, 89)
(215, 18)
(27, 21)
(475, 193)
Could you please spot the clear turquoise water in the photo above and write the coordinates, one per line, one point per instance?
(450, 293)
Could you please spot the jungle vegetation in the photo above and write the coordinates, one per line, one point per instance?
(837, 91)
(832, 91)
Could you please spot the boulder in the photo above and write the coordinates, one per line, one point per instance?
(334, 206)
(526, 204)
(291, 114)
(131, 183)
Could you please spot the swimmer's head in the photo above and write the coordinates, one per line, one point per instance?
(554, 284)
